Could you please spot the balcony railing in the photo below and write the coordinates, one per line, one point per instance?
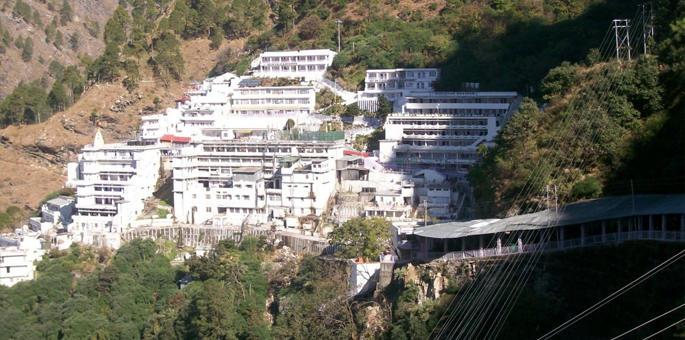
(660, 235)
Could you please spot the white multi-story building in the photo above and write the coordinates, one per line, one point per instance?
(395, 85)
(240, 107)
(244, 178)
(18, 252)
(302, 64)
(153, 127)
(15, 266)
(274, 100)
(442, 130)
(111, 182)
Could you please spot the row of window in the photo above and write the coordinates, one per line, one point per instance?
(442, 122)
(300, 68)
(463, 100)
(437, 155)
(106, 188)
(409, 133)
(270, 112)
(246, 92)
(269, 101)
(458, 112)
(259, 149)
(293, 59)
(409, 74)
(124, 177)
(450, 143)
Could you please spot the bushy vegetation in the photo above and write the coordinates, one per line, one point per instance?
(596, 136)
(81, 294)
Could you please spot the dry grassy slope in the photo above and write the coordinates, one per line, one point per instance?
(13, 70)
(33, 157)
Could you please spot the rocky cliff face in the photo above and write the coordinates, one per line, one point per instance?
(433, 278)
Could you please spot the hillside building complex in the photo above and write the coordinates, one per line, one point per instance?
(251, 150)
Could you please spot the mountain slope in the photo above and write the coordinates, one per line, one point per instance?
(86, 13)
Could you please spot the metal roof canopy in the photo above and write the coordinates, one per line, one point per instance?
(572, 214)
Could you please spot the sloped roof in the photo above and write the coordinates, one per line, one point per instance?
(572, 214)
(174, 139)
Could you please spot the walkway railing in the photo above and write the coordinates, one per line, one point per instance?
(675, 236)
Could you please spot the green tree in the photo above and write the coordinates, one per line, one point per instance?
(74, 41)
(58, 98)
(286, 14)
(27, 50)
(116, 26)
(66, 13)
(168, 63)
(59, 40)
(37, 20)
(310, 27)
(362, 237)
(384, 108)
(559, 80)
(49, 33)
(16, 215)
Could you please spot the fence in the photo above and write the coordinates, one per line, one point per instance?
(204, 236)
(675, 236)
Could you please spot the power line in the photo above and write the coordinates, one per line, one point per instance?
(663, 330)
(614, 295)
(646, 322)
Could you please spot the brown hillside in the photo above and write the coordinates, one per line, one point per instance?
(33, 158)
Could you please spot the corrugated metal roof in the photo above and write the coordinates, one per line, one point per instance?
(572, 214)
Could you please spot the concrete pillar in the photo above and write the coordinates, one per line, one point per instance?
(560, 231)
(582, 234)
(604, 231)
(445, 245)
(519, 243)
(651, 226)
(463, 244)
(639, 223)
(480, 245)
(663, 227)
(499, 244)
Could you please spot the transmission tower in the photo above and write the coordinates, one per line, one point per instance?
(622, 31)
(647, 24)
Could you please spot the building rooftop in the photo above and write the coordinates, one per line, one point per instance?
(298, 52)
(61, 200)
(247, 170)
(387, 193)
(572, 214)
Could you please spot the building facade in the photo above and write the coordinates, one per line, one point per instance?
(111, 182)
(248, 179)
(395, 85)
(442, 130)
(303, 64)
